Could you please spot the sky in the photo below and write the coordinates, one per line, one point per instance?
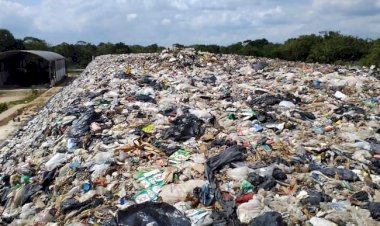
(166, 22)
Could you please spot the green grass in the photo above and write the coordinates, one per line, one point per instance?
(3, 107)
(32, 96)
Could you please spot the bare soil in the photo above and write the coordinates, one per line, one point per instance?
(16, 116)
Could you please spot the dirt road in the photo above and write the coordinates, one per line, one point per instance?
(13, 118)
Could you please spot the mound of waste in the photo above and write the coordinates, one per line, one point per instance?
(191, 138)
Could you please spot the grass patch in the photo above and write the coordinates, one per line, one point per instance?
(3, 107)
(34, 93)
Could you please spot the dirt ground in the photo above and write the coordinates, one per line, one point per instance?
(13, 118)
(12, 95)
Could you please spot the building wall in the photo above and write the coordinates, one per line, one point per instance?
(11, 68)
(58, 72)
(4, 74)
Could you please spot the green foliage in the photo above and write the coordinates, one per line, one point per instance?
(298, 49)
(373, 56)
(3, 107)
(32, 43)
(336, 47)
(325, 47)
(8, 42)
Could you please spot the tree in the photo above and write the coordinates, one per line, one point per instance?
(336, 47)
(7, 41)
(121, 48)
(236, 48)
(373, 57)
(105, 48)
(66, 50)
(32, 43)
(298, 49)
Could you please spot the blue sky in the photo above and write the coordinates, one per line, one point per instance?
(166, 22)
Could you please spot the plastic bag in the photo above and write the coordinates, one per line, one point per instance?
(172, 193)
(240, 173)
(29, 191)
(73, 204)
(185, 127)
(255, 179)
(374, 209)
(278, 174)
(231, 154)
(82, 124)
(344, 174)
(268, 219)
(204, 194)
(152, 214)
(253, 208)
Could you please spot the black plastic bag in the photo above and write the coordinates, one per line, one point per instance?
(184, 127)
(148, 80)
(259, 65)
(374, 209)
(375, 144)
(75, 111)
(264, 117)
(268, 184)
(29, 191)
(292, 98)
(231, 154)
(73, 204)
(4, 192)
(265, 100)
(347, 108)
(344, 174)
(306, 115)
(47, 178)
(361, 196)
(221, 142)
(168, 112)
(145, 98)
(315, 198)
(268, 219)
(255, 179)
(278, 174)
(152, 214)
(205, 194)
(82, 124)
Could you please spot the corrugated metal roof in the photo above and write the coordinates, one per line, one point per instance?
(47, 55)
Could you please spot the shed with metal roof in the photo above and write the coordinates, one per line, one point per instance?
(31, 67)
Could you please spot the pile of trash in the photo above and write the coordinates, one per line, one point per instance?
(191, 138)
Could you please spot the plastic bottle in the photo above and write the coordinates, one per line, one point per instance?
(55, 161)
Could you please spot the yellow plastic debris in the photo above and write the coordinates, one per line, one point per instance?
(148, 129)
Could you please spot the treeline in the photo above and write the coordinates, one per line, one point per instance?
(77, 55)
(326, 47)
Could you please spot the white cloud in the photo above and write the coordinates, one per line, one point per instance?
(179, 4)
(177, 21)
(131, 16)
(270, 12)
(165, 21)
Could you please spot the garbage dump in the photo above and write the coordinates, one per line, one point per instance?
(191, 138)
